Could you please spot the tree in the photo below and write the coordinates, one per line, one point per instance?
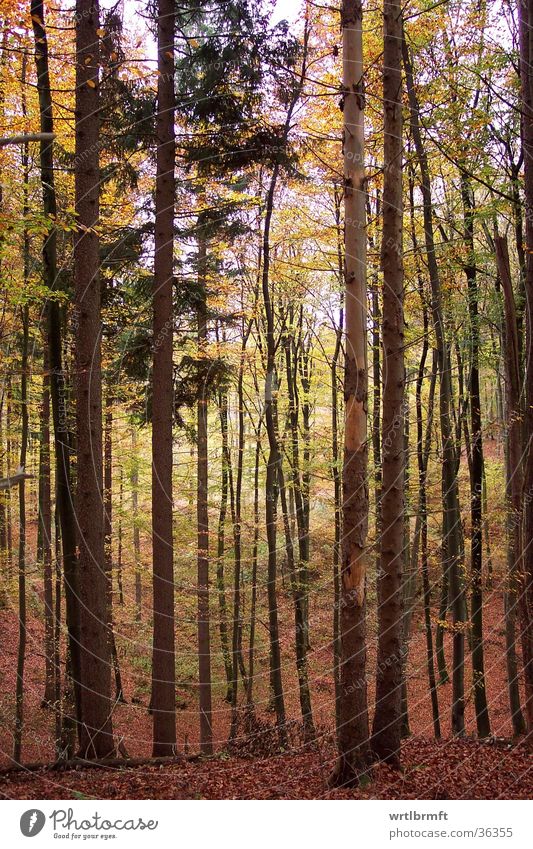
(54, 341)
(354, 754)
(163, 703)
(451, 516)
(526, 589)
(387, 718)
(96, 737)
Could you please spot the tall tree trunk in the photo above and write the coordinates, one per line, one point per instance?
(513, 477)
(526, 589)
(423, 450)
(96, 739)
(45, 535)
(297, 574)
(353, 742)
(336, 472)
(299, 619)
(476, 476)
(255, 545)
(450, 491)
(108, 536)
(376, 385)
(163, 701)
(58, 392)
(120, 534)
(134, 484)
(386, 730)
(21, 653)
(221, 536)
(204, 650)
(236, 510)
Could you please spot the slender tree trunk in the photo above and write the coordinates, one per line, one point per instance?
(236, 508)
(163, 701)
(299, 619)
(255, 545)
(297, 574)
(336, 474)
(57, 631)
(476, 477)
(120, 534)
(526, 589)
(514, 477)
(204, 650)
(45, 535)
(450, 492)
(271, 483)
(376, 387)
(58, 390)
(96, 739)
(353, 742)
(108, 536)
(423, 458)
(21, 654)
(386, 730)
(134, 483)
(221, 587)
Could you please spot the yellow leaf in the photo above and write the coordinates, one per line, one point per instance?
(91, 83)
(100, 33)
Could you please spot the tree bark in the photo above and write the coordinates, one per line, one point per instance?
(221, 536)
(96, 738)
(476, 475)
(353, 742)
(451, 544)
(58, 392)
(163, 701)
(21, 652)
(386, 729)
(526, 576)
(513, 477)
(45, 535)
(204, 650)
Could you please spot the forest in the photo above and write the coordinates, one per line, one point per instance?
(266, 399)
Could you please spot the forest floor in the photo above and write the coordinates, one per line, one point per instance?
(449, 768)
(446, 769)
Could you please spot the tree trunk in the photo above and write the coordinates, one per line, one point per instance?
(134, 483)
(476, 475)
(108, 537)
(513, 477)
(236, 509)
(353, 742)
(526, 589)
(386, 730)
(21, 653)
(255, 545)
(163, 701)
(336, 473)
(120, 533)
(45, 534)
(96, 738)
(221, 587)
(204, 651)
(58, 392)
(450, 491)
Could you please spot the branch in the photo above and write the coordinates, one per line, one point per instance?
(20, 475)
(27, 137)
